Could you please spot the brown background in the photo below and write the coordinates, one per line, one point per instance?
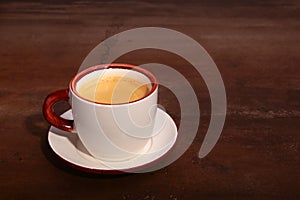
(256, 46)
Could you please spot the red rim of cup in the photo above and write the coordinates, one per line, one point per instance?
(113, 66)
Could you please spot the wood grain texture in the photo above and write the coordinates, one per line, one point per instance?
(256, 46)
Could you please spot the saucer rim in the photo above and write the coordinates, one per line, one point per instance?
(96, 171)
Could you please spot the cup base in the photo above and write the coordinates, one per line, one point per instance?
(83, 152)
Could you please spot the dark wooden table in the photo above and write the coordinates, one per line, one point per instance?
(256, 46)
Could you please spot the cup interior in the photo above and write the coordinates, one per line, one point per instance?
(93, 75)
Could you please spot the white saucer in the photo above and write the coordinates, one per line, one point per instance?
(69, 148)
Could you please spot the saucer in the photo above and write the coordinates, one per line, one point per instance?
(68, 147)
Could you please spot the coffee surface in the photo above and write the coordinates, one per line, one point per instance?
(110, 89)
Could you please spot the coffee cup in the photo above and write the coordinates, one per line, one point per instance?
(113, 107)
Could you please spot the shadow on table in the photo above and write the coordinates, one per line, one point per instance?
(39, 127)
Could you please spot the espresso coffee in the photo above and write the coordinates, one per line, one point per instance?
(111, 89)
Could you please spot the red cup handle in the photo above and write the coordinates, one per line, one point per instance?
(51, 116)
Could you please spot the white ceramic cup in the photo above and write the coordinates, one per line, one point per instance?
(111, 132)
